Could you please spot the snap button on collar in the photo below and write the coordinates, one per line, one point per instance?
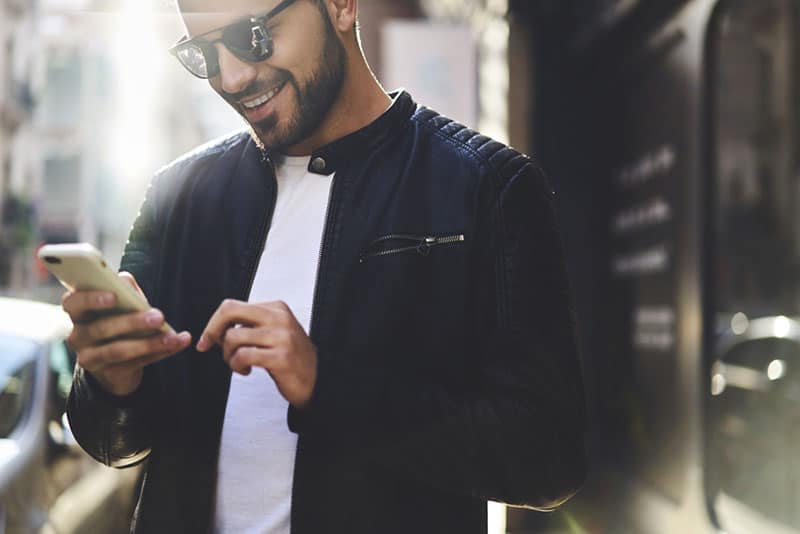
(319, 165)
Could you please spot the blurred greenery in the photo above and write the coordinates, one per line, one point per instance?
(18, 221)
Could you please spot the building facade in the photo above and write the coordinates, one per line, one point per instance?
(15, 111)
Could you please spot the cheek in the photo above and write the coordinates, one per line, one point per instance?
(298, 50)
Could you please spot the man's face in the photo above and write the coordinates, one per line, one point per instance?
(286, 97)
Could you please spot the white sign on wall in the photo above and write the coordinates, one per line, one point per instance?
(436, 63)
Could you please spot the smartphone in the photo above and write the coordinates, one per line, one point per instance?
(81, 267)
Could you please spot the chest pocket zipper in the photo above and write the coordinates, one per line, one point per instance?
(391, 244)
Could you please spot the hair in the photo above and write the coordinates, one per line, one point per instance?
(319, 3)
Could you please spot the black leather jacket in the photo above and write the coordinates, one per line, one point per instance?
(448, 372)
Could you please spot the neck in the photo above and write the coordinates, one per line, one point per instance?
(361, 101)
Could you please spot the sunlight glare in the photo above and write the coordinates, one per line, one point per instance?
(137, 68)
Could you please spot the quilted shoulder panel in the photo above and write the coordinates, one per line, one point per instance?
(498, 158)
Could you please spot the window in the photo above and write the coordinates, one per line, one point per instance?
(61, 190)
(61, 101)
(752, 471)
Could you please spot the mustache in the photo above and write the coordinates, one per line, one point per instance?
(255, 88)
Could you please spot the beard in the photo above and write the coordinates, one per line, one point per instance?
(314, 99)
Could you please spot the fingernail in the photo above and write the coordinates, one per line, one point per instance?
(184, 337)
(153, 317)
(201, 345)
(105, 299)
(170, 340)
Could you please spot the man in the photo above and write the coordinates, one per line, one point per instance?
(375, 325)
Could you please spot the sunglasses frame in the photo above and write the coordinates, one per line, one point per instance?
(261, 37)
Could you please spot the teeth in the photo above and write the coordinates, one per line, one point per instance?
(260, 101)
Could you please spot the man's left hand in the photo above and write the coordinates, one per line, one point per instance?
(268, 336)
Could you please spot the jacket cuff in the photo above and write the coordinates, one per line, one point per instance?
(98, 393)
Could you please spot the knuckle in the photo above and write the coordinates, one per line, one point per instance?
(228, 346)
(84, 359)
(284, 336)
(281, 360)
(282, 356)
(72, 340)
(107, 354)
(112, 353)
(155, 345)
(233, 335)
(91, 358)
(98, 330)
(70, 304)
(245, 353)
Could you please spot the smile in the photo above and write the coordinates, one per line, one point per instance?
(263, 99)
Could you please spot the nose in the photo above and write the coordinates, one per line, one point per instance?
(235, 74)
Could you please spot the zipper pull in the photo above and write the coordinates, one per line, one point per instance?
(424, 248)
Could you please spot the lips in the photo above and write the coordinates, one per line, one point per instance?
(255, 109)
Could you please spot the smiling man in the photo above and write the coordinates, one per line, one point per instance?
(375, 326)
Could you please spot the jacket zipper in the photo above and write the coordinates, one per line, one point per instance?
(421, 244)
(322, 247)
(263, 231)
(265, 224)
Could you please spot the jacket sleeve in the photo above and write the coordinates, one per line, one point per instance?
(115, 430)
(515, 436)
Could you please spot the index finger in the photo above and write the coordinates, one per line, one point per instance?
(229, 313)
(80, 304)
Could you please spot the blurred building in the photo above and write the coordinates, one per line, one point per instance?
(465, 29)
(111, 107)
(15, 110)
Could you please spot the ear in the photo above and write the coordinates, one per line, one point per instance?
(343, 14)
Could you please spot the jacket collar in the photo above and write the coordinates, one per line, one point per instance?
(335, 155)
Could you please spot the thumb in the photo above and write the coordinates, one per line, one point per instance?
(129, 278)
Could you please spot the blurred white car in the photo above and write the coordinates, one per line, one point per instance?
(47, 484)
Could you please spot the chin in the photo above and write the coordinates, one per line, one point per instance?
(276, 135)
(267, 131)
(269, 139)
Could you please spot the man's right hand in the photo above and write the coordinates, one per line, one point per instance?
(116, 349)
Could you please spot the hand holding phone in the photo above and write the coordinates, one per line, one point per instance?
(81, 267)
(116, 333)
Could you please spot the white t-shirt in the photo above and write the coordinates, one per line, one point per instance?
(256, 464)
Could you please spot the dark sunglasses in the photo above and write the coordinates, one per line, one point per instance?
(248, 39)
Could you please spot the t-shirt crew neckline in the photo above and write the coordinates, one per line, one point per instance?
(295, 161)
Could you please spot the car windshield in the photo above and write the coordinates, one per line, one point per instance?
(17, 361)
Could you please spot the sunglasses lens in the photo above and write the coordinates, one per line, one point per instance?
(247, 40)
(192, 57)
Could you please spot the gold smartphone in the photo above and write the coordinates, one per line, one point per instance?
(81, 267)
